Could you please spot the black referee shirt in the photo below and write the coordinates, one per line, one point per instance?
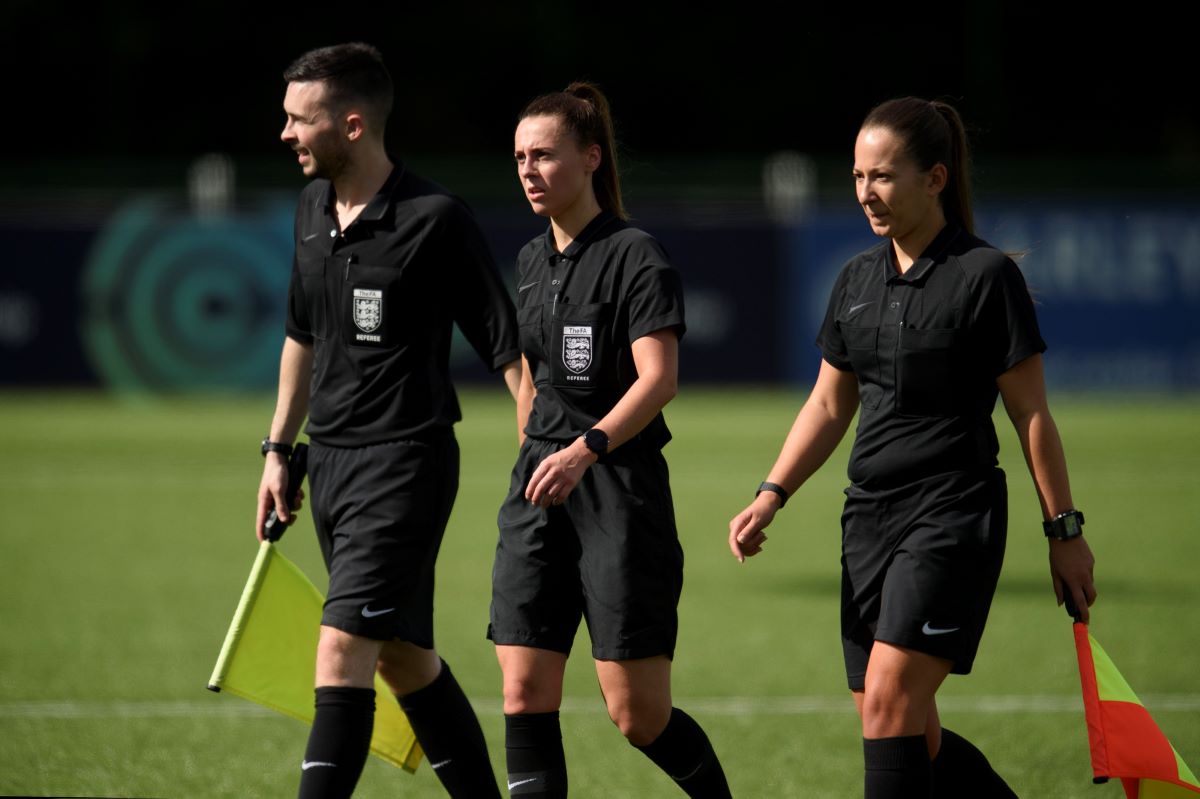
(580, 310)
(377, 302)
(927, 347)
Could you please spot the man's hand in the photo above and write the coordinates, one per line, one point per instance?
(271, 494)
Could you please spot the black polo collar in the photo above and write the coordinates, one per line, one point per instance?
(579, 243)
(932, 254)
(378, 205)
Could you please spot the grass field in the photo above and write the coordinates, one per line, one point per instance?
(126, 534)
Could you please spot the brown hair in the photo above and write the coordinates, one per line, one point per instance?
(583, 110)
(933, 133)
(353, 73)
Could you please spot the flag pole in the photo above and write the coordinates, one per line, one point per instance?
(257, 573)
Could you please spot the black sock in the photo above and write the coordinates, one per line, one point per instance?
(683, 751)
(338, 743)
(449, 732)
(897, 768)
(536, 764)
(962, 770)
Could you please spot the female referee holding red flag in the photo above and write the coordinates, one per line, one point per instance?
(922, 332)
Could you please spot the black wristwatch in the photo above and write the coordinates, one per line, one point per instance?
(1065, 526)
(275, 446)
(774, 488)
(597, 441)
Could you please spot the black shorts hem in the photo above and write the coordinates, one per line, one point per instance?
(637, 653)
(960, 663)
(533, 640)
(376, 632)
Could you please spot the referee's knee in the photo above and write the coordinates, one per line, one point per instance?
(528, 696)
(641, 725)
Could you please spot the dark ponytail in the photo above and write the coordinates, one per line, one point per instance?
(933, 133)
(583, 110)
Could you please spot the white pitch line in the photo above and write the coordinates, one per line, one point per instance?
(717, 706)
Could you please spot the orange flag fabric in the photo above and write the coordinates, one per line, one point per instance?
(1125, 741)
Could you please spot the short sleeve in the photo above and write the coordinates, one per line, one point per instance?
(654, 297)
(1006, 322)
(297, 325)
(482, 308)
(829, 338)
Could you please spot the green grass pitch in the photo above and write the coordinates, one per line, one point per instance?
(126, 532)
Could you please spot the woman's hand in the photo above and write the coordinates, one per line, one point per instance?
(746, 535)
(558, 474)
(1071, 564)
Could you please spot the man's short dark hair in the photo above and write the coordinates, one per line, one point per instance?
(353, 74)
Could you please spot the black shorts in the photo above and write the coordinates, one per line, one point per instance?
(380, 512)
(610, 554)
(920, 565)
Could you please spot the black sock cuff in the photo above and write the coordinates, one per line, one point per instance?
(432, 695)
(952, 742)
(344, 695)
(524, 730)
(679, 724)
(894, 754)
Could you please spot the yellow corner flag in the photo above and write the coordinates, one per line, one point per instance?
(270, 648)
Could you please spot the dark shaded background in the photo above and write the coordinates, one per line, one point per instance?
(124, 92)
(1084, 127)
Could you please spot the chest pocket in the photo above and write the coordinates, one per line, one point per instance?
(312, 281)
(929, 372)
(862, 345)
(579, 346)
(366, 314)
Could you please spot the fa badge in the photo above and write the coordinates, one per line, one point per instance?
(577, 347)
(368, 309)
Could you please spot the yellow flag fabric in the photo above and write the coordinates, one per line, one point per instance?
(269, 652)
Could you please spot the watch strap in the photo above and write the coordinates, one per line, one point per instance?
(1064, 526)
(774, 488)
(276, 446)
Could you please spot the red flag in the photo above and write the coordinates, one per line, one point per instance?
(1125, 741)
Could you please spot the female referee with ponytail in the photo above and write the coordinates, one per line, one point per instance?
(588, 528)
(921, 334)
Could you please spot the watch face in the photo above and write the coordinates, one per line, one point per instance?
(596, 441)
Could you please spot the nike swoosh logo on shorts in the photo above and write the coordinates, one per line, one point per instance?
(370, 614)
(856, 308)
(512, 785)
(307, 764)
(937, 630)
(440, 763)
(528, 286)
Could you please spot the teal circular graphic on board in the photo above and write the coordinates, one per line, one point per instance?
(177, 301)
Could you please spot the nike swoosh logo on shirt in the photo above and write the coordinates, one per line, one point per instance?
(309, 236)
(937, 630)
(856, 308)
(370, 614)
(528, 286)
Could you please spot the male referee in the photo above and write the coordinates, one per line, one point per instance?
(385, 263)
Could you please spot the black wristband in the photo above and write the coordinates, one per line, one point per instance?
(777, 489)
(1064, 526)
(275, 446)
